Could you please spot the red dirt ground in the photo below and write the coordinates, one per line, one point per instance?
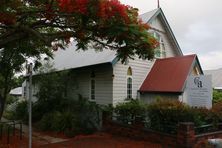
(102, 140)
(98, 140)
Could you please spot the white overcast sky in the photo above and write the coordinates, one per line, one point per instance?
(197, 25)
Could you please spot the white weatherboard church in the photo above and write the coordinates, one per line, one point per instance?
(100, 77)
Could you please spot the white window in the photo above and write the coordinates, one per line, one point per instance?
(92, 86)
(159, 52)
(129, 83)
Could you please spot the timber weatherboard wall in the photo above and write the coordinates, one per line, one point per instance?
(170, 49)
(140, 69)
(79, 83)
(103, 83)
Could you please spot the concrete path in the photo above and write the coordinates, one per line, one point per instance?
(43, 139)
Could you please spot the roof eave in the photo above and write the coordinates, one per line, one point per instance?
(159, 11)
(198, 62)
(152, 91)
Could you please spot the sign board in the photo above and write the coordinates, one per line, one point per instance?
(199, 91)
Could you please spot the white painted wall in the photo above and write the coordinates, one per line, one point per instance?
(79, 83)
(140, 69)
(170, 48)
(103, 83)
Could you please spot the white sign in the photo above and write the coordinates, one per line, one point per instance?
(199, 91)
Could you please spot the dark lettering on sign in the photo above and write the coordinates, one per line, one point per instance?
(197, 82)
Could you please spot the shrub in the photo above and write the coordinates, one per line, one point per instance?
(11, 99)
(71, 116)
(84, 118)
(107, 111)
(127, 112)
(10, 115)
(217, 96)
(21, 111)
(215, 115)
(57, 121)
(164, 115)
(46, 122)
(90, 115)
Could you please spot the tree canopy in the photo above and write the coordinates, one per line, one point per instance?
(29, 28)
(34, 25)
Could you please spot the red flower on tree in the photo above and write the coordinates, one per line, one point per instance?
(111, 8)
(7, 18)
(76, 6)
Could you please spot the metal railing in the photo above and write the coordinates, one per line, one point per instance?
(165, 127)
(208, 128)
(10, 127)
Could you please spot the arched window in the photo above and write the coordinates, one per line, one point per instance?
(92, 86)
(160, 50)
(129, 83)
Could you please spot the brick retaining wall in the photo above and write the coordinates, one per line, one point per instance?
(185, 137)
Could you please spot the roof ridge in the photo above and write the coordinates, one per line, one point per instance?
(150, 11)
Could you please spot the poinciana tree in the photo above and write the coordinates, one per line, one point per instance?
(29, 28)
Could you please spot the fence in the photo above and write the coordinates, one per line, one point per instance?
(8, 129)
(186, 135)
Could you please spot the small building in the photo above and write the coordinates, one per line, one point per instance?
(168, 76)
(16, 92)
(216, 78)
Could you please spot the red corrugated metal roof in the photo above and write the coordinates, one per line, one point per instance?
(168, 75)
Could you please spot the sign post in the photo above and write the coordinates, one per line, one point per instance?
(30, 104)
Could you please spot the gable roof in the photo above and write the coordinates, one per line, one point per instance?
(70, 58)
(16, 91)
(169, 74)
(216, 77)
(148, 18)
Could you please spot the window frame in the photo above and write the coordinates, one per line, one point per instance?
(161, 48)
(129, 91)
(92, 91)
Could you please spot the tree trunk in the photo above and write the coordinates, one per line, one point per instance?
(2, 105)
(3, 95)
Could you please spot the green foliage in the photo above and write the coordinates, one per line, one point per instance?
(165, 115)
(51, 94)
(17, 81)
(11, 99)
(10, 115)
(21, 112)
(107, 111)
(83, 117)
(216, 113)
(57, 121)
(128, 111)
(56, 112)
(217, 96)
